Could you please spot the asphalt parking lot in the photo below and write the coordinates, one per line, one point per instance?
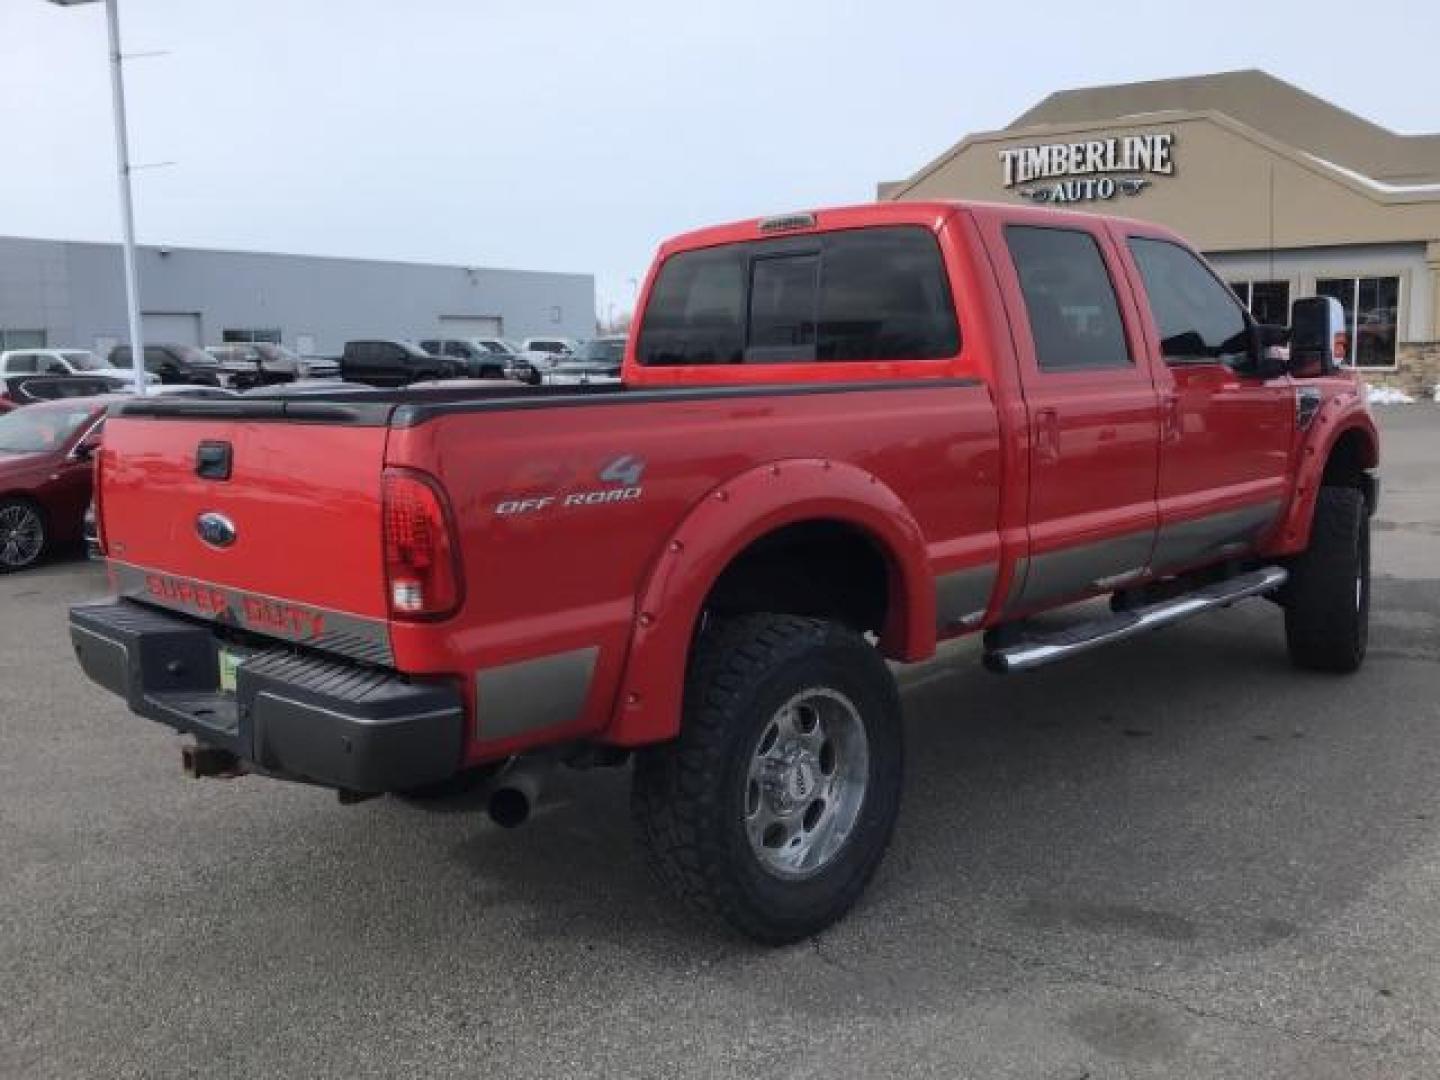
(1176, 858)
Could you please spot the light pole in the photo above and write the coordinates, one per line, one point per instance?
(127, 209)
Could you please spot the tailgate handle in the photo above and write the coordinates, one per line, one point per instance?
(212, 460)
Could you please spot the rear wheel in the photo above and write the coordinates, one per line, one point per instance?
(22, 534)
(775, 805)
(1327, 599)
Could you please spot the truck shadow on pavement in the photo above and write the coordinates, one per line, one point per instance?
(1185, 796)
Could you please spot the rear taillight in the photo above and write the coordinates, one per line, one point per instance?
(422, 572)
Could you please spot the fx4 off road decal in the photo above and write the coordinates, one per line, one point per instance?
(623, 474)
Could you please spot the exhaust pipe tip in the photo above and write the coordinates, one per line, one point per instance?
(517, 789)
(509, 807)
(199, 761)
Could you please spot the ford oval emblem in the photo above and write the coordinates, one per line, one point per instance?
(217, 530)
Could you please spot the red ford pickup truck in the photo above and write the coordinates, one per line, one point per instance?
(842, 437)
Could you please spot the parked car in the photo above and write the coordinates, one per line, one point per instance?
(391, 362)
(595, 361)
(45, 476)
(262, 363)
(785, 503)
(59, 362)
(17, 390)
(469, 386)
(189, 390)
(173, 363)
(309, 387)
(543, 353)
(476, 358)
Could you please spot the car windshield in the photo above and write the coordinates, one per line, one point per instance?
(598, 352)
(501, 347)
(194, 355)
(37, 430)
(83, 360)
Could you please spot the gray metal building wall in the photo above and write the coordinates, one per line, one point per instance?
(75, 292)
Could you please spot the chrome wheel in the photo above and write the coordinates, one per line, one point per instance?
(806, 783)
(22, 535)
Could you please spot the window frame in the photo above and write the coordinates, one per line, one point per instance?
(1248, 300)
(1353, 323)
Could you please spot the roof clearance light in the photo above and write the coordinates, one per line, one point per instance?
(785, 222)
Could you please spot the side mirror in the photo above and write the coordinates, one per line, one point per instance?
(86, 448)
(57, 369)
(1319, 339)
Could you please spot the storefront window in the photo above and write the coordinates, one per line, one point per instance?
(1268, 301)
(22, 339)
(249, 337)
(1372, 306)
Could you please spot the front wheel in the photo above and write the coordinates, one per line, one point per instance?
(1327, 599)
(776, 803)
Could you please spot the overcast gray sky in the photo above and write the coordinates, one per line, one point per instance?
(575, 136)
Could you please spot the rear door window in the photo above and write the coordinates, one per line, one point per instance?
(22, 364)
(861, 295)
(1069, 299)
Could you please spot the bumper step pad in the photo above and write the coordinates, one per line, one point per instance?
(294, 714)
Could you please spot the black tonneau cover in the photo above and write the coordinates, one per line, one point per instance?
(410, 408)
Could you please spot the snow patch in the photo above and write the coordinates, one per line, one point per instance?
(1388, 395)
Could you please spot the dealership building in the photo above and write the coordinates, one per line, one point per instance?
(1286, 194)
(63, 293)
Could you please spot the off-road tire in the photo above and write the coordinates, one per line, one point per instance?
(688, 799)
(1327, 599)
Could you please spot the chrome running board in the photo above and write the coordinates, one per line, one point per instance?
(1037, 650)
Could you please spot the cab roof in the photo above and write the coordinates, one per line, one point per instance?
(929, 213)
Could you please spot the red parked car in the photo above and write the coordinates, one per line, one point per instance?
(45, 475)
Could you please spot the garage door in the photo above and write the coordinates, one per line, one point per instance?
(471, 326)
(169, 328)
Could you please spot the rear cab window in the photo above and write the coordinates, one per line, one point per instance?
(877, 294)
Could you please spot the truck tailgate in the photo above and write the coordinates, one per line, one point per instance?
(283, 538)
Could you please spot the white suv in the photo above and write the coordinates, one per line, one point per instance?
(543, 353)
(62, 362)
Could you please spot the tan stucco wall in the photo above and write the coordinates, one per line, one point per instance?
(1220, 195)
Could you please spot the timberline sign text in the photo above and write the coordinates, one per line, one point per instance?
(1081, 171)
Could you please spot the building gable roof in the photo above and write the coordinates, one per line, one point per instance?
(1265, 104)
